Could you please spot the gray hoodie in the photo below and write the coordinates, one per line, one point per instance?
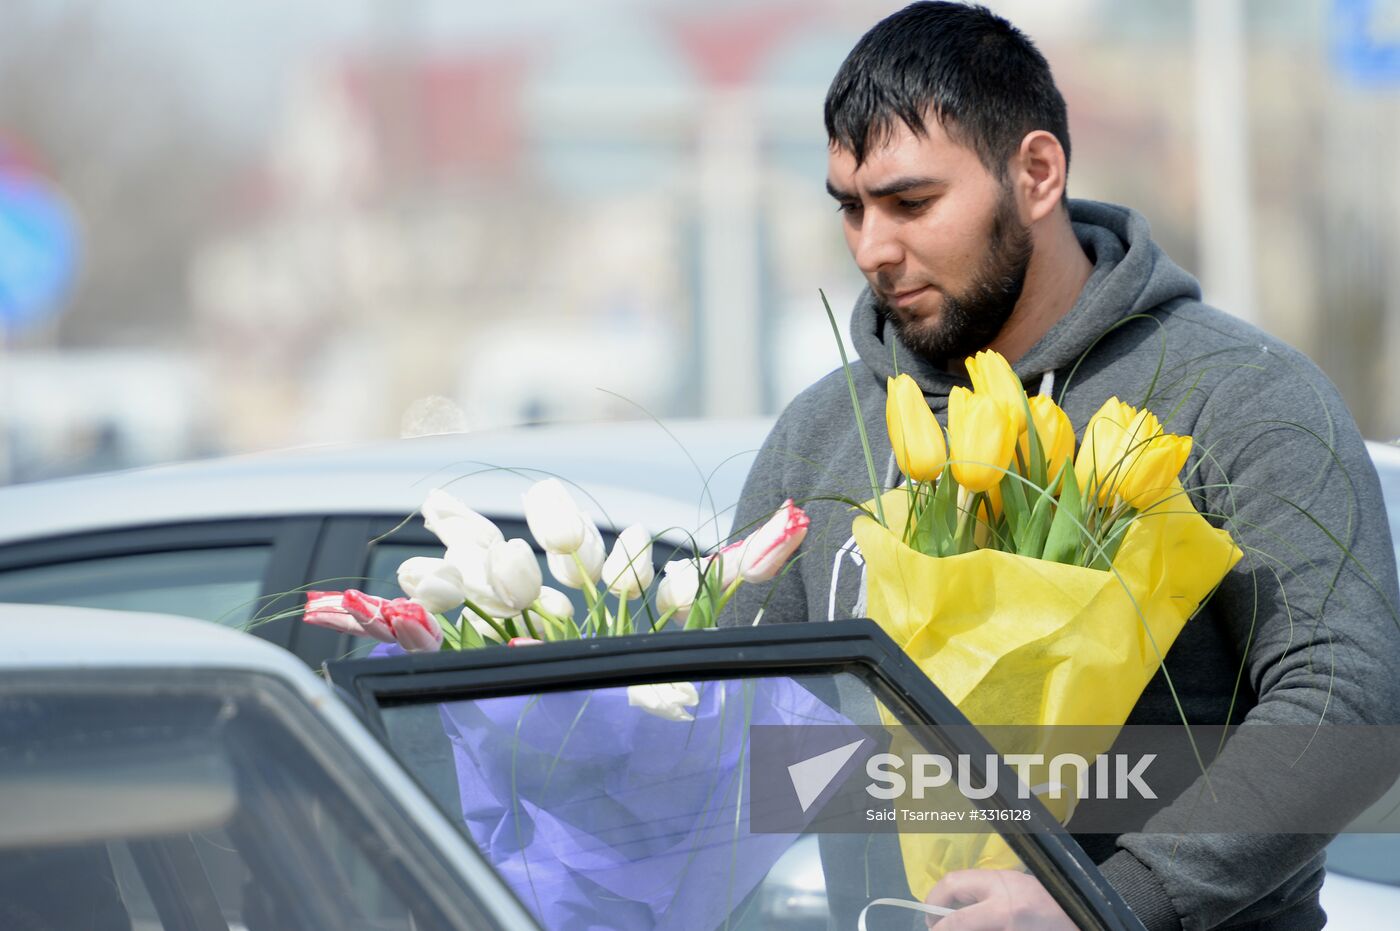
(1314, 639)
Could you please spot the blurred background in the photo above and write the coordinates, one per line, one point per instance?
(232, 226)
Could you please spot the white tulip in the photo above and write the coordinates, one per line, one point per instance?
(514, 574)
(628, 569)
(555, 521)
(556, 603)
(668, 700)
(471, 562)
(592, 554)
(434, 583)
(486, 630)
(451, 521)
(680, 583)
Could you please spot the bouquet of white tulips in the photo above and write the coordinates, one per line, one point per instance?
(487, 590)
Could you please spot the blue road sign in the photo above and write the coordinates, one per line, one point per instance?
(38, 250)
(1366, 40)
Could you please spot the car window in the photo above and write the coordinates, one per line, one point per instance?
(720, 775)
(188, 807)
(219, 584)
(563, 788)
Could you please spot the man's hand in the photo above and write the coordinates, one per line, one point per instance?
(994, 900)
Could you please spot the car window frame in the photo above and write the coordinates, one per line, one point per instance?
(858, 647)
(292, 542)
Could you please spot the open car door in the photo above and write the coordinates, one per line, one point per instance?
(709, 779)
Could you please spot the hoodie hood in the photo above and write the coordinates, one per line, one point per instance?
(1131, 275)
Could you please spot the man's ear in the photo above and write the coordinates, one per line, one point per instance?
(1039, 173)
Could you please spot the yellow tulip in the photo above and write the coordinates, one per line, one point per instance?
(917, 438)
(1127, 455)
(1099, 462)
(1153, 471)
(981, 439)
(992, 377)
(1055, 432)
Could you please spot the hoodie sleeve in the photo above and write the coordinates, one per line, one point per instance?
(765, 489)
(1311, 610)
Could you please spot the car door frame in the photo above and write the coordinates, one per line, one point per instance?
(859, 647)
(292, 541)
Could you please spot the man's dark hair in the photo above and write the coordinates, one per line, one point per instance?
(979, 76)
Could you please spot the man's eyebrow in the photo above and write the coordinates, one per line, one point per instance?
(889, 188)
(837, 193)
(900, 185)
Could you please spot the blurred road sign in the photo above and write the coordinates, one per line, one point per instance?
(1366, 40)
(38, 249)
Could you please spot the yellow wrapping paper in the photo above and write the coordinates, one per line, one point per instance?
(1014, 640)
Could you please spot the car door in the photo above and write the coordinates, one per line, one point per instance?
(708, 779)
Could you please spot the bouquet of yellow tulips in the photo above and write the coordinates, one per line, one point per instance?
(1035, 585)
(1011, 460)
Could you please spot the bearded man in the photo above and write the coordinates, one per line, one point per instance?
(948, 159)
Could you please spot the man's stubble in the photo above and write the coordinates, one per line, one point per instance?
(969, 321)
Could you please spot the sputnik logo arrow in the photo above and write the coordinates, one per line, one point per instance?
(811, 776)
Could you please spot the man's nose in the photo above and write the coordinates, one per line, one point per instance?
(877, 244)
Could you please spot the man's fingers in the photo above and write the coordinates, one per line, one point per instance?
(982, 916)
(963, 887)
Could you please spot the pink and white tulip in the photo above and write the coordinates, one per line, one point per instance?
(766, 551)
(415, 629)
(327, 609)
(728, 558)
(368, 610)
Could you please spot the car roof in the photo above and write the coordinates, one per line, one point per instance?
(679, 478)
(639, 472)
(95, 638)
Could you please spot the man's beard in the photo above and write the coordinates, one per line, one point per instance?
(969, 321)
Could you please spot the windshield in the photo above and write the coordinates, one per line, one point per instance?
(185, 803)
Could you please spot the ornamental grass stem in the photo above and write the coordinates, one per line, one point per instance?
(860, 420)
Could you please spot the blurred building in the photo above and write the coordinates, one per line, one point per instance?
(441, 218)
